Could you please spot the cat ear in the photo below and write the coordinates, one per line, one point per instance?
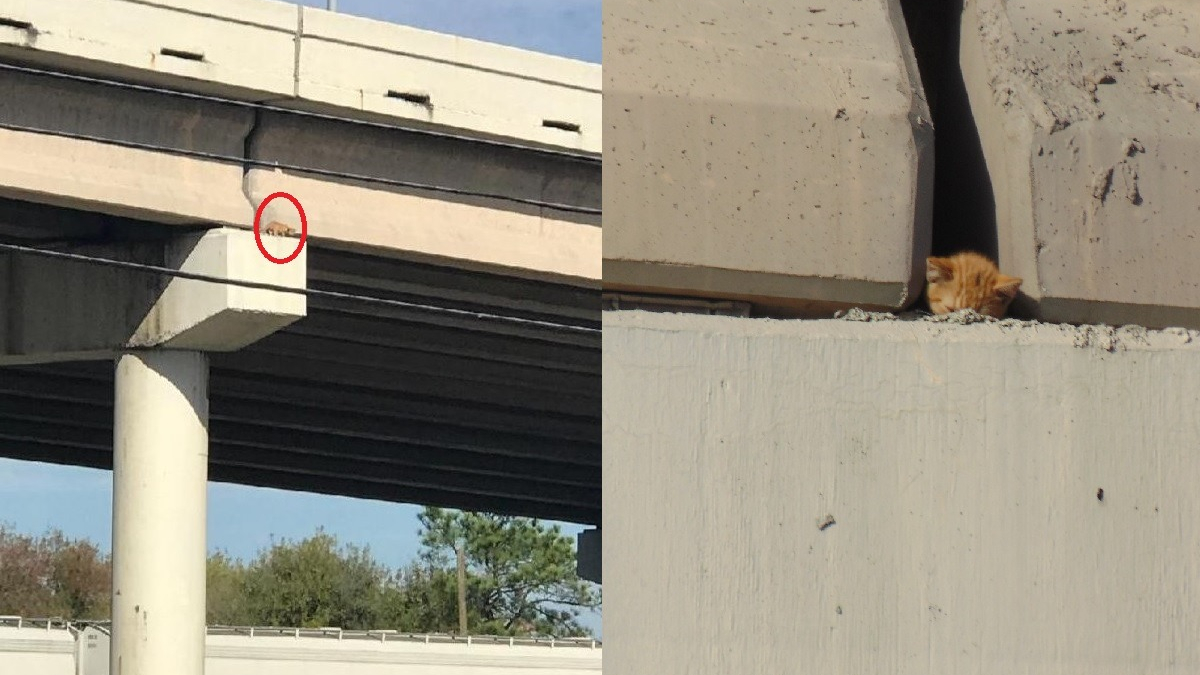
(1006, 286)
(937, 270)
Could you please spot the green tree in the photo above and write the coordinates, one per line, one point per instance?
(521, 573)
(313, 583)
(226, 590)
(53, 576)
(421, 598)
(80, 578)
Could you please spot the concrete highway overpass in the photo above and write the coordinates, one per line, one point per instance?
(359, 399)
(435, 340)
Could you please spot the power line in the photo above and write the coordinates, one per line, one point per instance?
(200, 154)
(575, 156)
(307, 292)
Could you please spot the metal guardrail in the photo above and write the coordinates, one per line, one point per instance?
(330, 632)
(48, 623)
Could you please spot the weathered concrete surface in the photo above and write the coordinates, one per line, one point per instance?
(782, 156)
(1088, 114)
(313, 59)
(56, 310)
(899, 497)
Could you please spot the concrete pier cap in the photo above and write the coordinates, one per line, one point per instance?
(781, 156)
(55, 310)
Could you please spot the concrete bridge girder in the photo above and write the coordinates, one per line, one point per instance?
(151, 156)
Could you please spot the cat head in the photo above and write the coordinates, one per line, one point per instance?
(969, 281)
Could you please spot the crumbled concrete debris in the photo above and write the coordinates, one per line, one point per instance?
(856, 314)
(1100, 337)
(1134, 335)
(963, 317)
(1184, 335)
(1011, 323)
(1108, 338)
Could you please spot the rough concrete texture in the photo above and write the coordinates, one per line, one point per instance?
(57, 310)
(899, 497)
(781, 155)
(1088, 115)
(314, 59)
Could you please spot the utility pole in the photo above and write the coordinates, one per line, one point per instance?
(462, 589)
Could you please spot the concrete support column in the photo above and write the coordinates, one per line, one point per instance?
(159, 331)
(160, 472)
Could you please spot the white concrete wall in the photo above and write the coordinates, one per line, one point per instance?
(33, 650)
(959, 466)
(36, 650)
(239, 655)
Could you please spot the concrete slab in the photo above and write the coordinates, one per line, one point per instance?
(449, 81)
(241, 45)
(899, 497)
(782, 156)
(1087, 113)
(315, 60)
(58, 310)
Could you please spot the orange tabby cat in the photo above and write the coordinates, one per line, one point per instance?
(968, 280)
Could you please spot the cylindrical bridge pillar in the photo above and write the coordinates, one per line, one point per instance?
(160, 474)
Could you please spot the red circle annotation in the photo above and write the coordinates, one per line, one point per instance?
(258, 233)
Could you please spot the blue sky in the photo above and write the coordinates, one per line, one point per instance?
(569, 28)
(242, 520)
